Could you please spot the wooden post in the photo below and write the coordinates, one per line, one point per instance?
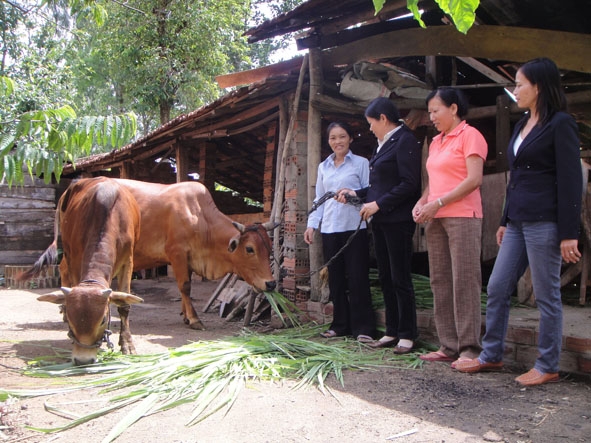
(182, 163)
(207, 165)
(431, 71)
(269, 170)
(503, 131)
(283, 123)
(314, 153)
(125, 170)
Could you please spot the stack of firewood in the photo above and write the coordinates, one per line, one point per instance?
(234, 298)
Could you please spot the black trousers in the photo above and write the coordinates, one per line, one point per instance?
(348, 281)
(393, 246)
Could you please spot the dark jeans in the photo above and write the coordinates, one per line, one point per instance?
(393, 245)
(353, 313)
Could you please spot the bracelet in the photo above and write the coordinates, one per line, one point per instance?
(440, 203)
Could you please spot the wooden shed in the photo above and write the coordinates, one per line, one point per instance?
(265, 138)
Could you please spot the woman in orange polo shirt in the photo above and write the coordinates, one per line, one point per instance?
(451, 207)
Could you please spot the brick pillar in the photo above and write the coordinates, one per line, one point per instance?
(296, 261)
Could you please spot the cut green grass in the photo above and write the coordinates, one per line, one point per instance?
(210, 374)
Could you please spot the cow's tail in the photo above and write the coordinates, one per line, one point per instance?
(49, 257)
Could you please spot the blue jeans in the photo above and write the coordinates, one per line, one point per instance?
(535, 244)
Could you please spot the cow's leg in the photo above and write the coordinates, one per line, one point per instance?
(65, 274)
(124, 275)
(65, 282)
(182, 274)
(125, 340)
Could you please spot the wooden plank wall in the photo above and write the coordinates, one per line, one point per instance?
(26, 221)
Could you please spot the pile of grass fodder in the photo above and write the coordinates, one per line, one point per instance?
(423, 293)
(210, 374)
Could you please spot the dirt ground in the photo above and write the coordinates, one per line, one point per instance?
(431, 404)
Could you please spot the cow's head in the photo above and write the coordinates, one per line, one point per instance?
(86, 310)
(251, 251)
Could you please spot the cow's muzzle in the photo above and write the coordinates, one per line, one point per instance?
(270, 285)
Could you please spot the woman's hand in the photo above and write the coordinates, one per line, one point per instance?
(309, 235)
(570, 251)
(341, 193)
(500, 234)
(368, 209)
(424, 213)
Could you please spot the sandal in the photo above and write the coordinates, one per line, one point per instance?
(460, 360)
(362, 338)
(328, 334)
(436, 356)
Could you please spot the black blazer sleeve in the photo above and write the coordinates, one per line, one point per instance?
(395, 177)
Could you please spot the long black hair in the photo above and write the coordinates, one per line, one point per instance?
(543, 73)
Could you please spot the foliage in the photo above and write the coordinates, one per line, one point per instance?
(462, 12)
(43, 141)
(65, 61)
(210, 374)
(260, 52)
(40, 129)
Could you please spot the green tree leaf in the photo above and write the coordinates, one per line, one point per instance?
(462, 12)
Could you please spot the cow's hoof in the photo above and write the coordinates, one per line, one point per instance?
(128, 350)
(196, 324)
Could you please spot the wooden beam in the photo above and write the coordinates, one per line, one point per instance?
(259, 74)
(484, 70)
(328, 103)
(221, 124)
(568, 49)
(218, 133)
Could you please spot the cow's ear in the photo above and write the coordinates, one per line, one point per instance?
(233, 244)
(123, 298)
(57, 297)
(239, 226)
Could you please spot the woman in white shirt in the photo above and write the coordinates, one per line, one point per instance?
(348, 274)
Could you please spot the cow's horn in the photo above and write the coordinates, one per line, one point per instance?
(270, 225)
(239, 226)
(53, 297)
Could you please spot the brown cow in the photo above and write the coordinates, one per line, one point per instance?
(99, 222)
(181, 225)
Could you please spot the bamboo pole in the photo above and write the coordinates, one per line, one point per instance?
(314, 154)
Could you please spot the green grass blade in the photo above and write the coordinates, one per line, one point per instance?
(81, 420)
(134, 415)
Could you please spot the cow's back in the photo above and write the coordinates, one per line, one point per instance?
(99, 224)
(175, 216)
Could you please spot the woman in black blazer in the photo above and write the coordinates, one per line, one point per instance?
(394, 187)
(540, 223)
